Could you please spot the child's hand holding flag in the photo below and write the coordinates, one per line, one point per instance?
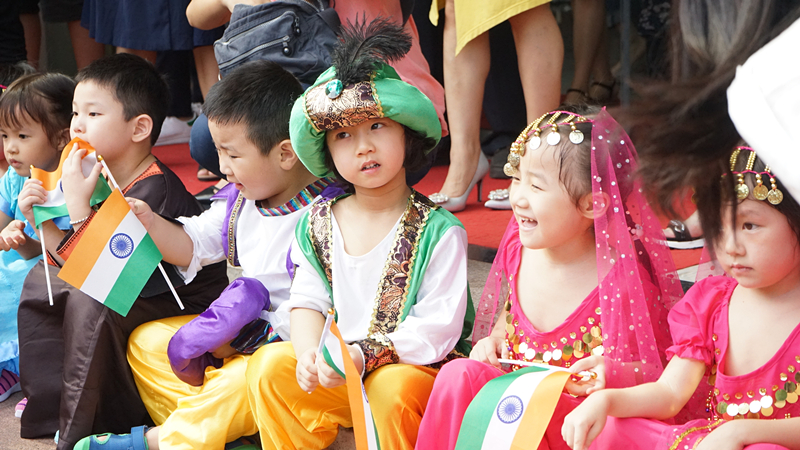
(115, 257)
(338, 358)
(78, 184)
(42, 198)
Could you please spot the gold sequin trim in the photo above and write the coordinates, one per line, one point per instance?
(683, 435)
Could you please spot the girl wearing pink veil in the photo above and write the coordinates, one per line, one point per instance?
(582, 275)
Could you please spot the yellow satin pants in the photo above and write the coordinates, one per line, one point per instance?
(190, 417)
(290, 418)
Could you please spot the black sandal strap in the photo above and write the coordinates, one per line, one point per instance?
(609, 87)
(680, 230)
(578, 91)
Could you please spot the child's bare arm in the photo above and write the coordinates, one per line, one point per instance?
(306, 326)
(77, 187)
(175, 245)
(488, 349)
(53, 236)
(5, 219)
(737, 434)
(33, 193)
(666, 397)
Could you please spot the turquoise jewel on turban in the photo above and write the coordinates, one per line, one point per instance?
(333, 89)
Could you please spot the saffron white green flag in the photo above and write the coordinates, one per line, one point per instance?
(55, 205)
(114, 258)
(512, 411)
(334, 350)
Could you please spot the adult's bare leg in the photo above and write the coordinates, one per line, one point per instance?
(32, 26)
(464, 78)
(207, 68)
(540, 52)
(587, 27)
(602, 88)
(146, 54)
(540, 55)
(85, 48)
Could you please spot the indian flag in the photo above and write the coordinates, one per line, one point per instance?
(114, 258)
(512, 411)
(334, 350)
(55, 205)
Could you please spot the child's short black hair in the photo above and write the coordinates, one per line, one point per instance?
(44, 97)
(135, 83)
(10, 72)
(258, 94)
(415, 159)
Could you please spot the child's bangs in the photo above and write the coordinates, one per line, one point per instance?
(788, 206)
(16, 109)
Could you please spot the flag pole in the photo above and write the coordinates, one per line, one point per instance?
(44, 257)
(46, 269)
(325, 331)
(160, 267)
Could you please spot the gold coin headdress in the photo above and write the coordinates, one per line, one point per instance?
(531, 136)
(760, 191)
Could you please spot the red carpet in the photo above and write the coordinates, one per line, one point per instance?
(177, 158)
(484, 226)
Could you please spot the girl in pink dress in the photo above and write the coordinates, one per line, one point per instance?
(736, 337)
(582, 272)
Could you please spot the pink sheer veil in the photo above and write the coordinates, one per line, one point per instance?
(637, 280)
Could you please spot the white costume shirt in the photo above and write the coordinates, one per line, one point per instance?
(262, 243)
(434, 324)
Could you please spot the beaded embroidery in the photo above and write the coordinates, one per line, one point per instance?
(753, 404)
(300, 201)
(555, 353)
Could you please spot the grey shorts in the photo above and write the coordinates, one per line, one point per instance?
(53, 11)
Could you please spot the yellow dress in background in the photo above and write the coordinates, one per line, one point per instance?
(475, 17)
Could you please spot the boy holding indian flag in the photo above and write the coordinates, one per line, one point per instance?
(191, 369)
(77, 378)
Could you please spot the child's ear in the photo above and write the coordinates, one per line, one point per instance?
(594, 204)
(287, 157)
(143, 127)
(63, 139)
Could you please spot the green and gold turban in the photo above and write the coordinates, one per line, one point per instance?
(346, 95)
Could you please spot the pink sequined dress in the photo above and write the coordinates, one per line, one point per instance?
(459, 381)
(699, 325)
(624, 318)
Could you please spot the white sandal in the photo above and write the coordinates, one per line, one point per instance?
(498, 199)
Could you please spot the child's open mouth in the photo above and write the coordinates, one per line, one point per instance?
(369, 166)
(525, 222)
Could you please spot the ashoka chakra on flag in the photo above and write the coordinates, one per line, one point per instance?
(121, 245)
(509, 410)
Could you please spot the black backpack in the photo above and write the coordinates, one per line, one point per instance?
(293, 33)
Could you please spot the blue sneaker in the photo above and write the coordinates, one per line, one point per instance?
(133, 441)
